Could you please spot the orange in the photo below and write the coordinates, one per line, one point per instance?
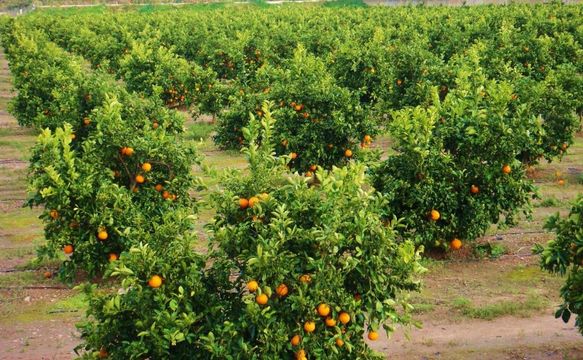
(313, 167)
(112, 257)
(47, 274)
(140, 179)
(367, 139)
(344, 318)
(434, 215)
(474, 189)
(564, 146)
(348, 153)
(243, 203)
(127, 151)
(253, 200)
(399, 82)
(323, 309)
(306, 279)
(301, 355)
(54, 214)
(284, 142)
(166, 195)
(68, 249)
(102, 235)
(309, 326)
(103, 353)
(293, 155)
(299, 107)
(155, 125)
(306, 115)
(252, 286)
(158, 187)
(339, 342)
(155, 281)
(295, 341)
(282, 290)
(330, 322)
(73, 136)
(86, 121)
(373, 335)
(261, 299)
(561, 182)
(506, 169)
(456, 244)
(309, 174)
(146, 167)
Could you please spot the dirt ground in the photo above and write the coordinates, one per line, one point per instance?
(470, 307)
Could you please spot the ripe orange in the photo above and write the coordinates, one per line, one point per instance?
(54, 214)
(299, 107)
(140, 179)
(339, 342)
(86, 121)
(474, 189)
(103, 353)
(158, 187)
(301, 355)
(323, 309)
(344, 318)
(561, 182)
(399, 82)
(306, 279)
(48, 274)
(166, 194)
(146, 167)
(155, 125)
(243, 203)
(373, 335)
(155, 281)
(261, 299)
(348, 153)
(112, 257)
(68, 249)
(293, 155)
(506, 169)
(282, 290)
(434, 215)
(306, 115)
(295, 340)
(330, 322)
(102, 235)
(456, 244)
(127, 151)
(313, 167)
(309, 174)
(309, 326)
(253, 200)
(564, 146)
(252, 286)
(367, 139)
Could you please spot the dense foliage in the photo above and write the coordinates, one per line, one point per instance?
(564, 255)
(294, 267)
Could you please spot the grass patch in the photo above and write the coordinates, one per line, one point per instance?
(551, 201)
(423, 308)
(502, 308)
(18, 279)
(200, 131)
(345, 3)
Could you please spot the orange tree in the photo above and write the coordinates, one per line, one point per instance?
(455, 170)
(564, 255)
(317, 268)
(295, 266)
(112, 189)
(319, 121)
